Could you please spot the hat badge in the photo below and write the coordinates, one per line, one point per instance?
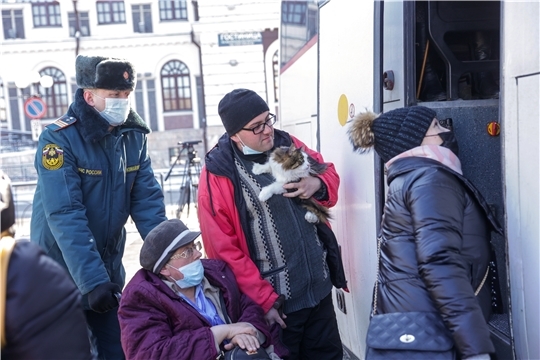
(126, 75)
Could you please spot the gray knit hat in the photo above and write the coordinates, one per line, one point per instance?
(393, 132)
(239, 107)
(98, 72)
(160, 243)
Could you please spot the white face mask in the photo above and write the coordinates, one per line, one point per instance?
(247, 150)
(116, 110)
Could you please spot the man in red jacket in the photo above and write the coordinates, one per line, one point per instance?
(278, 258)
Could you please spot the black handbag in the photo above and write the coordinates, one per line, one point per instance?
(407, 335)
(240, 354)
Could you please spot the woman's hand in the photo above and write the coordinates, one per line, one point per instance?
(241, 328)
(229, 331)
(244, 341)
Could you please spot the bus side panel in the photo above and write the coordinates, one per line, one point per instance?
(298, 97)
(521, 117)
(346, 87)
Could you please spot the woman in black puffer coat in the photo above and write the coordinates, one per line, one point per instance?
(435, 231)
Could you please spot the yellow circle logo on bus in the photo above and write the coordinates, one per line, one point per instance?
(343, 109)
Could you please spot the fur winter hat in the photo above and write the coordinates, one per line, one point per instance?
(160, 243)
(391, 133)
(7, 206)
(97, 72)
(238, 108)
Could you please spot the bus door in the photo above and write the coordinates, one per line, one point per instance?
(449, 60)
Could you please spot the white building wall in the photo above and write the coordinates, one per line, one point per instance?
(43, 47)
(228, 67)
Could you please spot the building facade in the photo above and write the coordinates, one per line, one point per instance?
(187, 54)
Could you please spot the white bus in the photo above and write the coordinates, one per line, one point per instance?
(482, 69)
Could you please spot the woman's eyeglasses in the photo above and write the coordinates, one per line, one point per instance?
(188, 253)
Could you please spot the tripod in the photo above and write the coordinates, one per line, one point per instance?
(190, 177)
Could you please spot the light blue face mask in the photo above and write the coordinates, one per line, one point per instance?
(116, 110)
(247, 150)
(193, 274)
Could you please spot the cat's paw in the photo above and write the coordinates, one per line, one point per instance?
(311, 217)
(265, 194)
(258, 169)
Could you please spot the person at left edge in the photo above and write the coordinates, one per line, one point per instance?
(93, 173)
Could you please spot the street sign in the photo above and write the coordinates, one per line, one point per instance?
(36, 129)
(35, 107)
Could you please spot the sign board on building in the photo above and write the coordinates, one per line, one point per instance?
(237, 39)
(35, 108)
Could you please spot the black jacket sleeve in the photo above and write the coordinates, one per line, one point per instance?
(44, 316)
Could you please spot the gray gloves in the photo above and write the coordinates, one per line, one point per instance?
(104, 297)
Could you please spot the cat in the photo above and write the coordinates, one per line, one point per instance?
(291, 164)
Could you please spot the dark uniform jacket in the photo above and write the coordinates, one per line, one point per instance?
(435, 250)
(44, 316)
(90, 181)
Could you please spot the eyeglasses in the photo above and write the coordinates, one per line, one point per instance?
(270, 121)
(188, 253)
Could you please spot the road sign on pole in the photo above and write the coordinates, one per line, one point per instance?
(36, 129)
(35, 107)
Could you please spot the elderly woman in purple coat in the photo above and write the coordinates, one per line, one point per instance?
(181, 307)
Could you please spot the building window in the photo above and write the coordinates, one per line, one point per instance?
(84, 23)
(111, 12)
(46, 14)
(176, 86)
(56, 96)
(172, 10)
(13, 24)
(142, 18)
(293, 12)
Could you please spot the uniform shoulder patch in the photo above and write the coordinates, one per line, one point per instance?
(52, 157)
(62, 123)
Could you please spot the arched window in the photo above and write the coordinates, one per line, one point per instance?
(56, 96)
(176, 86)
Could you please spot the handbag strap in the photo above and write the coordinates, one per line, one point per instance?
(379, 241)
(6, 247)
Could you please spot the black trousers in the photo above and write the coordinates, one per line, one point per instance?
(312, 333)
(105, 335)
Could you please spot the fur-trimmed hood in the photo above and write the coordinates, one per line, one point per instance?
(93, 127)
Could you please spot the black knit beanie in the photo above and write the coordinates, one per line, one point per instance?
(239, 107)
(400, 130)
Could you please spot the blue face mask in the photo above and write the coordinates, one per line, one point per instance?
(247, 150)
(193, 274)
(116, 110)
